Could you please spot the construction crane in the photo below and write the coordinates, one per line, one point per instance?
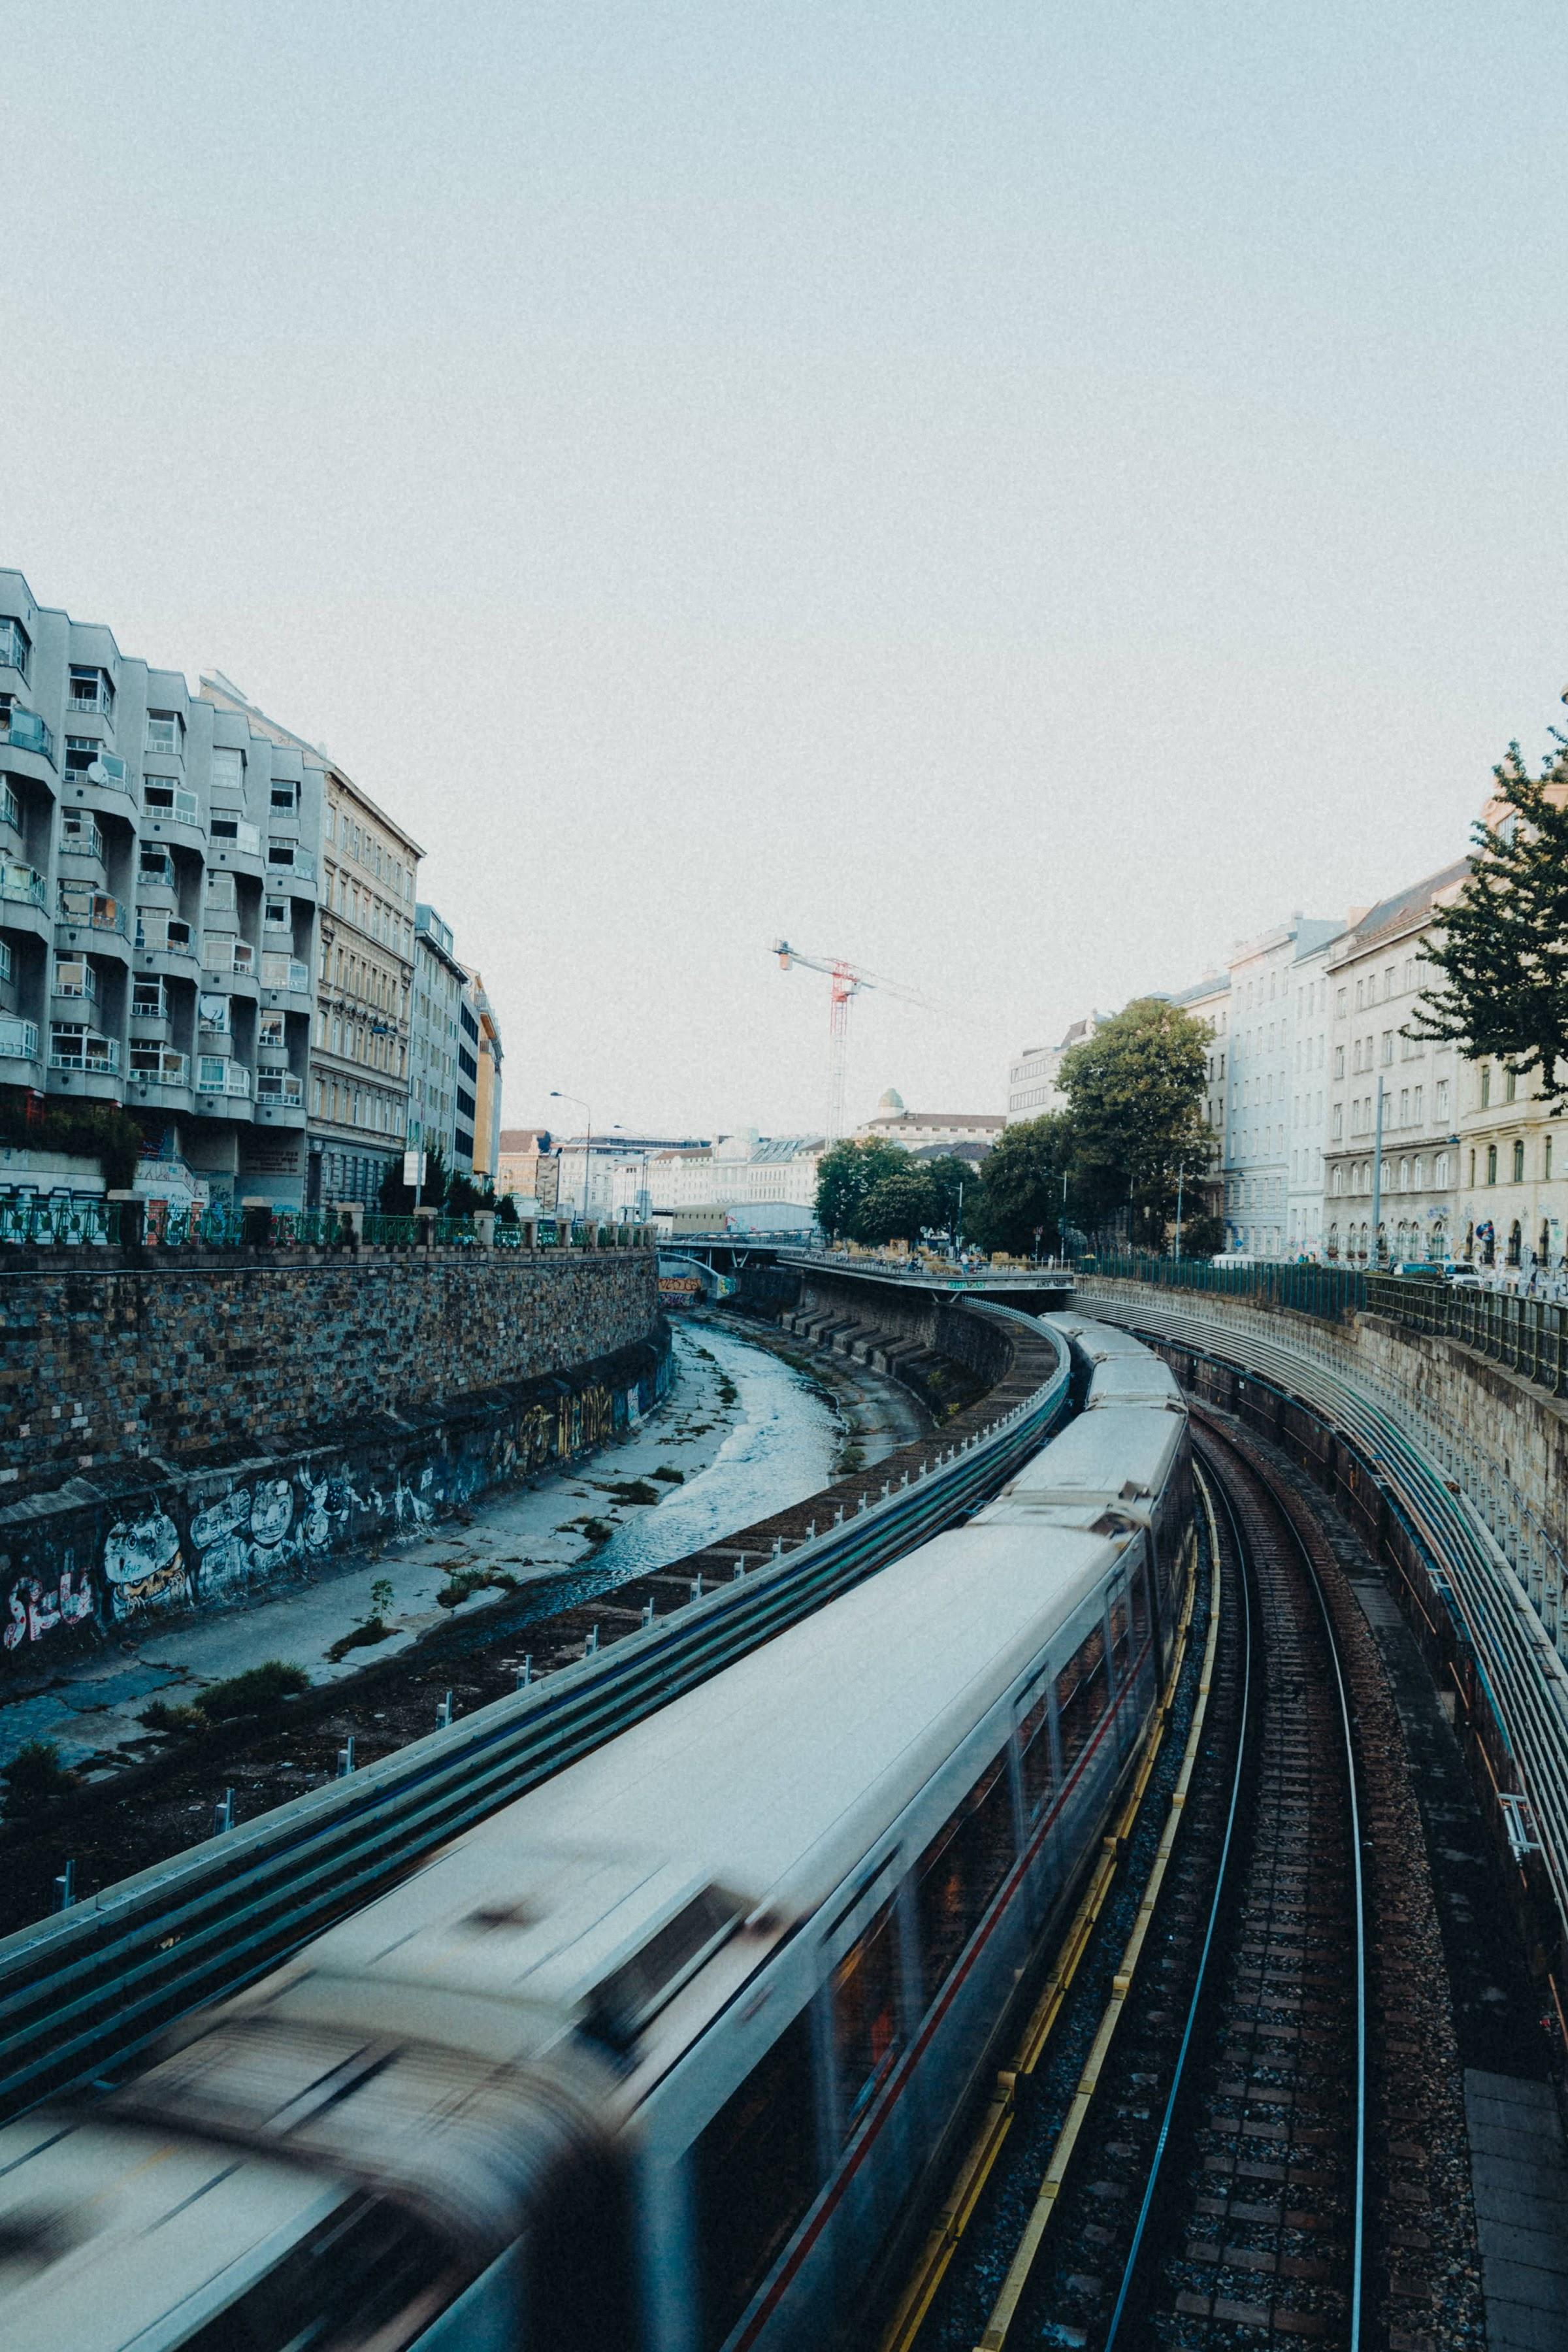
(847, 982)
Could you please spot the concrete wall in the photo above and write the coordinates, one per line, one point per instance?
(120, 1548)
(104, 1361)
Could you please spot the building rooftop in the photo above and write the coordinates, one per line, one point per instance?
(1399, 912)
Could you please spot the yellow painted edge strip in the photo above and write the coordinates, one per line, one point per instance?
(1007, 2304)
(931, 2264)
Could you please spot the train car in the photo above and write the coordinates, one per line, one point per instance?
(1136, 1380)
(658, 2057)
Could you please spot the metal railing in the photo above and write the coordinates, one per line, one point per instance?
(218, 1076)
(279, 970)
(18, 1038)
(1529, 1336)
(9, 813)
(83, 908)
(1332, 1293)
(74, 1048)
(160, 1066)
(84, 1991)
(21, 884)
(1497, 1566)
(79, 837)
(25, 731)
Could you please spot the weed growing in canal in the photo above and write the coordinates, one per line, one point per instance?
(727, 1392)
(255, 1692)
(465, 1582)
(670, 1474)
(33, 1772)
(598, 1531)
(631, 1490)
(370, 1630)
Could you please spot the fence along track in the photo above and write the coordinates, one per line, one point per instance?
(81, 1992)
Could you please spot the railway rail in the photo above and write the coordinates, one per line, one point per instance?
(1247, 2133)
(82, 1992)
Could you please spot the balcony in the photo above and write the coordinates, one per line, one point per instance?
(160, 1066)
(105, 770)
(79, 837)
(25, 731)
(84, 908)
(20, 884)
(281, 1087)
(216, 1076)
(92, 695)
(170, 801)
(156, 872)
(278, 971)
(18, 1039)
(74, 1048)
(15, 651)
(9, 811)
(162, 934)
(222, 952)
(74, 976)
(286, 858)
(235, 832)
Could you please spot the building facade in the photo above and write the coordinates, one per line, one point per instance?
(527, 1168)
(485, 1047)
(158, 908)
(1033, 1079)
(1375, 972)
(440, 980)
(1260, 1103)
(358, 1102)
(892, 1123)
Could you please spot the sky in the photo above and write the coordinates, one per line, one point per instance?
(1021, 497)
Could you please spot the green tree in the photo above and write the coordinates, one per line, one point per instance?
(955, 1186)
(1021, 1190)
(397, 1199)
(899, 1207)
(1203, 1234)
(1503, 951)
(1134, 1093)
(845, 1175)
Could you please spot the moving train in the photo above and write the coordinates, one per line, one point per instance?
(659, 2057)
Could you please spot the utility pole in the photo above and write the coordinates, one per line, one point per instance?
(1375, 1255)
(1181, 1171)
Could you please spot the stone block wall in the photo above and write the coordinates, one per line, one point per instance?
(104, 1359)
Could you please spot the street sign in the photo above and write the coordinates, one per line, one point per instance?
(414, 1169)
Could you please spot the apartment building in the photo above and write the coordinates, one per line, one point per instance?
(482, 1045)
(1376, 972)
(158, 905)
(364, 974)
(527, 1166)
(1512, 1156)
(1208, 1001)
(1260, 1106)
(440, 980)
(1032, 1079)
(892, 1123)
(1309, 1064)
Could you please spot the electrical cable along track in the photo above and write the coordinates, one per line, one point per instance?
(1194, 2173)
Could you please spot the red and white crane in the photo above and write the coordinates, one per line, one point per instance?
(848, 980)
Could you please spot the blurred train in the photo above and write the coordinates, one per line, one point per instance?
(658, 2059)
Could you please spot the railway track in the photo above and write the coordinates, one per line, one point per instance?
(1251, 2140)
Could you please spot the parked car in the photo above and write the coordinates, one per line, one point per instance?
(1463, 1276)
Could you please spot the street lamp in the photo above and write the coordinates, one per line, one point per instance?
(558, 1095)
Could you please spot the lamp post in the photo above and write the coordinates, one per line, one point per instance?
(1374, 1256)
(558, 1095)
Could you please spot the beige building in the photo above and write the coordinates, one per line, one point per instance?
(526, 1164)
(914, 1128)
(478, 1086)
(358, 1094)
(1376, 971)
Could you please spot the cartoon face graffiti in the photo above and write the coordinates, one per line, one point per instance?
(220, 1519)
(144, 1565)
(271, 1509)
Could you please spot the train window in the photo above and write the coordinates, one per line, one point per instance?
(1035, 1750)
(1121, 1643)
(1140, 1590)
(1080, 1697)
(866, 2011)
(369, 2274)
(961, 1870)
(756, 2173)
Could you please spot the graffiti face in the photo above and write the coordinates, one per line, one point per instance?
(220, 1519)
(271, 1511)
(142, 1563)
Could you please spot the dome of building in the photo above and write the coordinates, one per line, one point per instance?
(891, 1104)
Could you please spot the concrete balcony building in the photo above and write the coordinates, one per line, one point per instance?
(158, 902)
(440, 980)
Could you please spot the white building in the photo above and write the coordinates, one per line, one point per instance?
(1312, 1021)
(1208, 1001)
(915, 1129)
(1033, 1086)
(738, 1175)
(1260, 1102)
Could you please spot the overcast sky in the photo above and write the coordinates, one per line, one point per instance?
(1021, 496)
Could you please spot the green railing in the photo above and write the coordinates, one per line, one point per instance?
(30, 1220)
(1528, 1336)
(1331, 1292)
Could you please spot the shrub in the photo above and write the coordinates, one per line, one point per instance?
(633, 1490)
(90, 1131)
(670, 1474)
(161, 1716)
(35, 1772)
(249, 1692)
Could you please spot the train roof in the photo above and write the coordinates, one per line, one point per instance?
(665, 1837)
(1121, 1459)
(1098, 1342)
(1142, 1379)
(96, 2204)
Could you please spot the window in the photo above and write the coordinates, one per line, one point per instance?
(1338, 1130)
(1491, 1163)
(74, 976)
(16, 646)
(1388, 983)
(273, 1029)
(1121, 1640)
(1403, 1106)
(213, 1013)
(1034, 1748)
(1546, 1168)
(1519, 1163)
(166, 732)
(961, 1870)
(275, 915)
(1510, 1086)
(147, 999)
(1337, 1180)
(1440, 1171)
(91, 689)
(1486, 1085)
(1442, 1098)
(285, 796)
(1419, 1100)
(228, 771)
(754, 2173)
(1339, 1061)
(1387, 1047)
(1080, 1698)
(865, 2012)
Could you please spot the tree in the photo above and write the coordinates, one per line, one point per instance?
(1503, 951)
(1203, 1234)
(954, 1183)
(1134, 1092)
(847, 1174)
(899, 1207)
(397, 1199)
(1021, 1188)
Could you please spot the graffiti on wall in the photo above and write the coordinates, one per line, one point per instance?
(176, 1552)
